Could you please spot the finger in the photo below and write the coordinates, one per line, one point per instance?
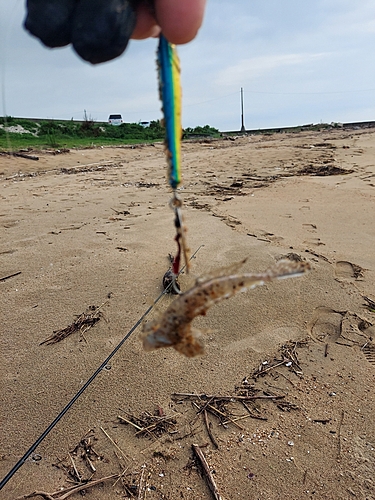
(101, 29)
(180, 20)
(146, 24)
(50, 21)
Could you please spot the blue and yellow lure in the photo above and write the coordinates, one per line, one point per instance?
(170, 95)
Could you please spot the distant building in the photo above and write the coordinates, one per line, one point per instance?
(115, 119)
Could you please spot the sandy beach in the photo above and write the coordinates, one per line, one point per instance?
(286, 384)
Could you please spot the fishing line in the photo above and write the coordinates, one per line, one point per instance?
(89, 381)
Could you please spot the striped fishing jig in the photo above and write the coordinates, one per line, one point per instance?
(170, 95)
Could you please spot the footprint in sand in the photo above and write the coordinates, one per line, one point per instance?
(305, 208)
(314, 241)
(347, 270)
(369, 348)
(310, 227)
(10, 223)
(266, 236)
(325, 325)
(369, 352)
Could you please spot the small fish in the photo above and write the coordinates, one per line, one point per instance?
(173, 328)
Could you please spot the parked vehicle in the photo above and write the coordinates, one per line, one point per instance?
(115, 119)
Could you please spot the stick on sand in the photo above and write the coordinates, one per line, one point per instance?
(206, 469)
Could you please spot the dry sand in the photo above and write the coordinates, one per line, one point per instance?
(88, 224)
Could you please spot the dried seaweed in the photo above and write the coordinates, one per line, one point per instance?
(150, 425)
(82, 324)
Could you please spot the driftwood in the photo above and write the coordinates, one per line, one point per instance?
(27, 157)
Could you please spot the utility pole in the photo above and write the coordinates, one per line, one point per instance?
(242, 116)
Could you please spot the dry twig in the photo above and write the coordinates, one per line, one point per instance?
(4, 278)
(251, 414)
(76, 473)
(289, 358)
(82, 454)
(63, 494)
(209, 431)
(152, 425)
(339, 434)
(140, 487)
(114, 444)
(206, 469)
(179, 395)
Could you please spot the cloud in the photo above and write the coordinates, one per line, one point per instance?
(255, 68)
(345, 18)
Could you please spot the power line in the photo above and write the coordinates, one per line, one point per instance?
(210, 100)
(310, 93)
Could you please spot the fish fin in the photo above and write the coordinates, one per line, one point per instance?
(152, 336)
(192, 344)
(155, 340)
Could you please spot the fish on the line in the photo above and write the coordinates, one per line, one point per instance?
(173, 328)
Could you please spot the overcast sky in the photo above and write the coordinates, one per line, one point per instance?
(299, 62)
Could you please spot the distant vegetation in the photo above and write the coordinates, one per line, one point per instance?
(16, 133)
(205, 131)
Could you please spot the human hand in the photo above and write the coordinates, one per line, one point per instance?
(179, 20)
(99, 30)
